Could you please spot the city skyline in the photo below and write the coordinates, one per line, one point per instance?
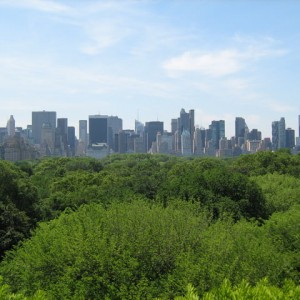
(224, 59)
(239, 123)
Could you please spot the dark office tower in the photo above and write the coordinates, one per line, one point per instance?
(275, 135)
(151, 129)
(98, 129)
(174, 126)
(83, 137)
(217, 132)
(38, 119)
(184, 121)
(198, 145)
(126, 141)
(208, 135)
(192, 122)
(278, 134)
(71, 140)
(62, 133)
(192, 125)
(290, 138)
(240, 127)
(281, 134)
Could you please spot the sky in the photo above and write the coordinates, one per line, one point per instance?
(148, 59)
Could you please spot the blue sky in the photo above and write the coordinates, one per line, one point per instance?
(150, 58)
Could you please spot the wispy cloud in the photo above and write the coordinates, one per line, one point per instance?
(225, 61)
(103, 34)
(41, 5)
(214, 64)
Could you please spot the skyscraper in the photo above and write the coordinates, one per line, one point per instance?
(240, 128)
(115, 125)
(38, 119)
(139, 128)
(151, 129)
(98, 129)
(47, 139)
(281, 134)
(275, 135)
(62, 135)
(290, 138)
(11, 126)
(278, 134)
(102, 129)
(217, 132)
(83, 131)
(71, 140)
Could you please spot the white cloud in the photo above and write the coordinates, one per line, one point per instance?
(225, 61)
(41, 5)
(214, 64)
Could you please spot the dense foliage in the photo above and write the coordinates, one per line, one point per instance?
(147, 226)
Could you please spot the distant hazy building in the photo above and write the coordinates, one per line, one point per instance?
(151, 130)
(278, 134)
(164, 142)
(186, 121)
(11, 126)
(61, 139)
(252, 146)
(199, 141)
(174, 126)
(16, 148)
(115, 125)
(3, 133)
(124, 141)
(47, 140)
(71, 140)
(98, 129)
(186, 148)
(83, 137)
(139, 128)
(98, 151)
(290, 138)
(254, 135)
(225, 149)
(38, 119)
(102, 129)
(240, 128)
(217, 132)
(139, 145)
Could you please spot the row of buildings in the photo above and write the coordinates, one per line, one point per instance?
(102, 135)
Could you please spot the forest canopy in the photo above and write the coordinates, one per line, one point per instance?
(149, 226)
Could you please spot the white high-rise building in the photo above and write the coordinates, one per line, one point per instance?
(11, 126)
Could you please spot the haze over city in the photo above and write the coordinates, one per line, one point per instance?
(148, 59)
